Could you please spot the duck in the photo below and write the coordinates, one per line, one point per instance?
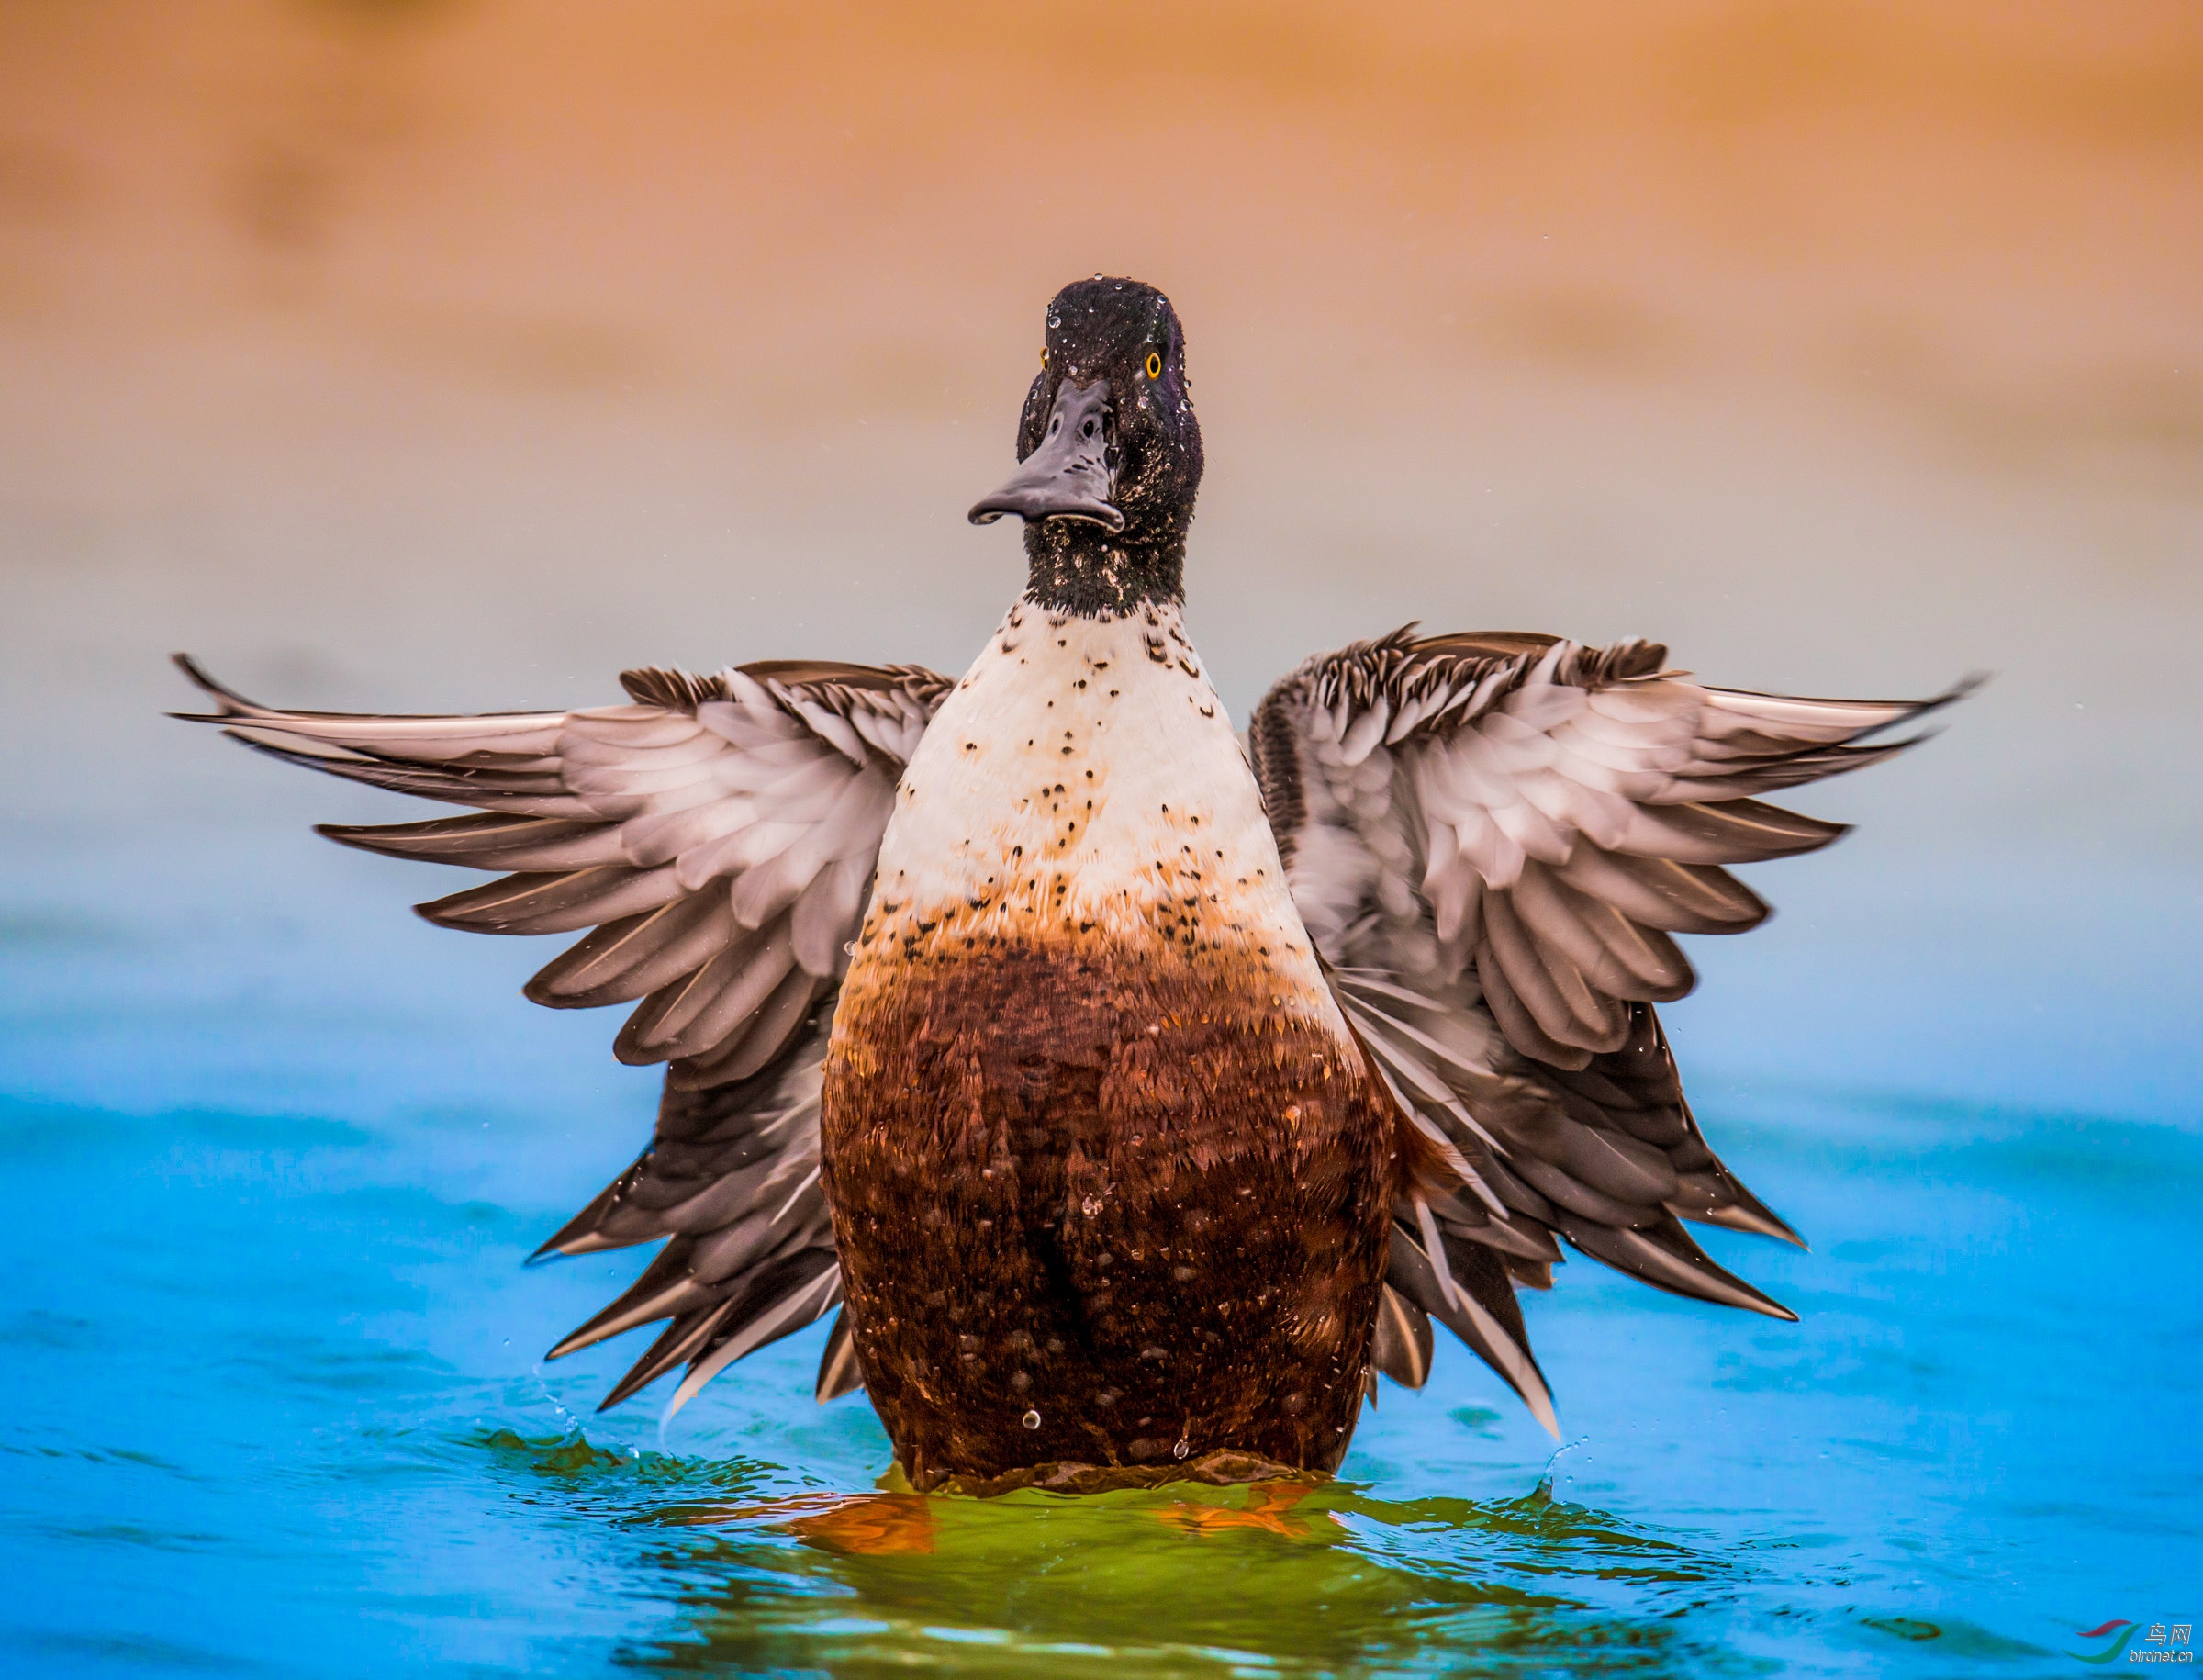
(1133, 1092)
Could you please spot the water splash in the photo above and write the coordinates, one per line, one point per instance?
(1544, 1489)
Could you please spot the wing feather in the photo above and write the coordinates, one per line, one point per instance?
(1493, 839)
(631, 957)
(714, 842)
(665, 830)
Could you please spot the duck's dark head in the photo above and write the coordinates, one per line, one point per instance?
(1109, 452)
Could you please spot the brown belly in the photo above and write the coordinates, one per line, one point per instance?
(1114, 1209)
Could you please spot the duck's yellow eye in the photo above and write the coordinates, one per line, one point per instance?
(1044, 356)
(1155, 364)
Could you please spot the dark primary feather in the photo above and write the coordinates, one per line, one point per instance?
(1400, 1346)
(839, 1372)
(1493, 839)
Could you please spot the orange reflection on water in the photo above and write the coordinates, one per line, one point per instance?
(863, 1525)
(873, 1525)
(1269, 1508)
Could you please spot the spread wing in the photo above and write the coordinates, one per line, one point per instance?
(716, 840)
(1493, 840)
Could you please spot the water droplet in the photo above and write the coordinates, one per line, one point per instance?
(1091, 1206)
(1181, 1450)
(1031, 1420)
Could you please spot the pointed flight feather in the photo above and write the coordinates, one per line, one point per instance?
(1665, 1257)
(678, 1341)
(1400, 1345)
(1660, 893)
(537, 902)
(839, 1372)
(630, 958)
(808, 1288)
(1498, 1340)
(664, 1288)
(493, 840)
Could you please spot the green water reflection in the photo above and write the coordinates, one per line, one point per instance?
(1283, 1578)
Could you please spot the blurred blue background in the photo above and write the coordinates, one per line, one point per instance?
(453, 356)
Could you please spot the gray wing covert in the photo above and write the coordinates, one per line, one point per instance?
(715, 839)
(1493, 839)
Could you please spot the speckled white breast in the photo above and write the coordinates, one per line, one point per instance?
(1083, 781)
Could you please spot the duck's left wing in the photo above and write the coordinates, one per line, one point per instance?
(1493, 839)
(716, 838)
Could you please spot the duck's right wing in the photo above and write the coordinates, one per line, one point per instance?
(1493, 839)
(717, 839)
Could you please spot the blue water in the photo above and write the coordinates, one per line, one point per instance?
(274, 1405)
(457, 355)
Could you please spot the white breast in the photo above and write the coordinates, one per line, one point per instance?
(1083, 780)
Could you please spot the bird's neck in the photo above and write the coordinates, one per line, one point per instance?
(1079, 568)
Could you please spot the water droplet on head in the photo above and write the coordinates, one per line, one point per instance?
(1031, 1420)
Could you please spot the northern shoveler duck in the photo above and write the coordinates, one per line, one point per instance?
(1137, 1092)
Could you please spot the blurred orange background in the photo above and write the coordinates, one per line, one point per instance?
(418, 355)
